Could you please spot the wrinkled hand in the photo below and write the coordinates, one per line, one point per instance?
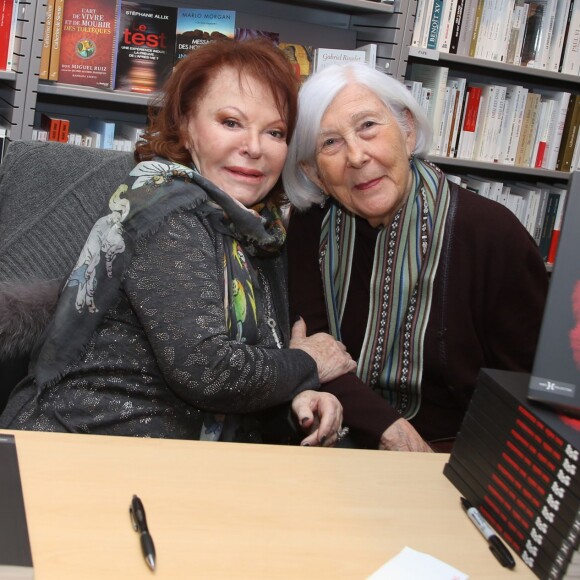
(330, 355)
(402, 436)
(320, 415)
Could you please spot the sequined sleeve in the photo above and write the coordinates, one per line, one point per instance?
(175, 284)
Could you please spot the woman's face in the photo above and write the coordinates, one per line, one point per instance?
(237, 138)
(362, 157)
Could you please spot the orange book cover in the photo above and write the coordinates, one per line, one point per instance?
(51, 125)
(55, 40)
(88, 42)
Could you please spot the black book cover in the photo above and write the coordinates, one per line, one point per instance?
(15, 555)
(519, 431)
(536, 511)
(541, 557)
(555, 378)
(471, 491)
(146, 46)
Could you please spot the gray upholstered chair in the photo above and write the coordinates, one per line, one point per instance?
(50, 196)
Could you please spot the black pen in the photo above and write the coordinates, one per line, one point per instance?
(137, 512)
(497, 547)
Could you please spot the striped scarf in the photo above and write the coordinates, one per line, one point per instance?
(405, 262)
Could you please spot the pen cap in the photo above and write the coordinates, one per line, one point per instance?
(501, 552)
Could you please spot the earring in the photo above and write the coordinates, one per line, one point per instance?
(411, 159)
(324, 198)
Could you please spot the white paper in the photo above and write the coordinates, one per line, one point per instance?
(409, 563)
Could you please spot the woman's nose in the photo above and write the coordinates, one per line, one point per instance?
(252, 146)
(356, 154)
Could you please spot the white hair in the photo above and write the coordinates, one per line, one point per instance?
(315, 97)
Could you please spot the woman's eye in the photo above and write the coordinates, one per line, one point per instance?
(328, 142)
(368, 124)
(231, 123)
(278, 134)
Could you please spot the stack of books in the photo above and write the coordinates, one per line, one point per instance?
(519, 462)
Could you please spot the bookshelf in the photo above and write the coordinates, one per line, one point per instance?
(328, 23)
(478, 163)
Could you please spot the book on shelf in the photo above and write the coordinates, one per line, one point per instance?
(555, 126)
(15, 554)
(456, 27)
(511, 124)
(57, 129)
(557, 229)
(471, 115)
(250, 33)
(430, 28)
(533, 31)
(569, 138)
(325, 57)
(458, 86)
(54, 59)
(476, 28)
(434, 25)
(434, 77)
(540, 147)
(519, 20)
(300, 57)
(549, 219)
(494, 117)
(570, 63)
(558, 33)
(105, 130)
(196, 27)
(419, 24)
(46, 41)
(529, 127)
(87, 45)
(448, 11)
(145, 47)
(8, 19)
(547, 35)
(468, 15)
(371, 51)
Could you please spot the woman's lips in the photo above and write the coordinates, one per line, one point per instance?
(368, 184)
(245, 172)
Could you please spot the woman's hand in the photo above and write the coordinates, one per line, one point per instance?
(320, 415)
(330, 355)
(402, 436)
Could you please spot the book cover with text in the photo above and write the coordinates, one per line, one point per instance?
(146, 46)
(196, 27)
(87, 43)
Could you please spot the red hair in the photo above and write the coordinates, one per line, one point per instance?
(170, 113)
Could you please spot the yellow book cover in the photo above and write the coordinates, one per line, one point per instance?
(46, 41)
(55, 40)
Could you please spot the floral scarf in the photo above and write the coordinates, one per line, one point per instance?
(153, 190)
(405, 263)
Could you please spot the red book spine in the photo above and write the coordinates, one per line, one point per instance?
(6, 11)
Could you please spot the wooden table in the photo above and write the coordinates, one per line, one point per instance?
(226, 510)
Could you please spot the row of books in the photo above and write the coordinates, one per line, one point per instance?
(543, 34)
(498, 123)
(132, 46)
(539, 207)
(99, 133)
(8, 23)
(519, 462)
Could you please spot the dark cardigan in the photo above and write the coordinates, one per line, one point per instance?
(487, 308)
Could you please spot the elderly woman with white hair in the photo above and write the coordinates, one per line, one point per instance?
(423, 281)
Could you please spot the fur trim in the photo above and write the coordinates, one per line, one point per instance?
(26, 307)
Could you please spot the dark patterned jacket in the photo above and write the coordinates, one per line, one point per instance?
(489, 294)
(162, 356)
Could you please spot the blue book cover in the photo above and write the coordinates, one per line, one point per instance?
(435, 24)
(197, 27)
